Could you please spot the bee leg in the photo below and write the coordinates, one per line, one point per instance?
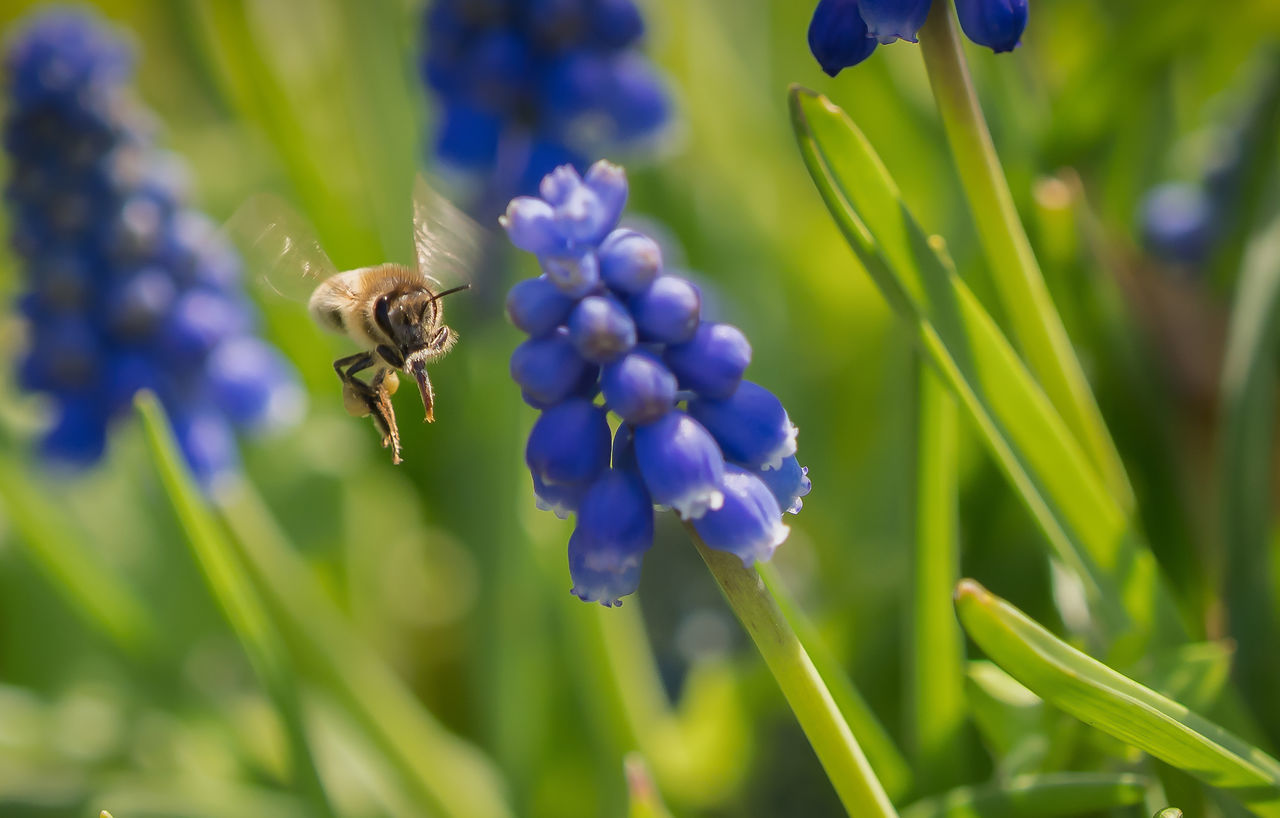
(374, 398)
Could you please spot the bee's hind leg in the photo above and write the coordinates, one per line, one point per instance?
(374, 398)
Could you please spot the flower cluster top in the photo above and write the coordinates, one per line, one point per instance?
(126, 287)
(605, 320)
(843, 33)
(526, 85)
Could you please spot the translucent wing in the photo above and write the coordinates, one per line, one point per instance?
(282, 255)
(446, 240)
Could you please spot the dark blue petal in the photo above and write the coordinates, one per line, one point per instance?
(639, 387)
(569, 443)
(614, 529)
(549, 369)
(629, 261)
(637, 101)
(561, 499)
(890, 20)
(254, 385)
(78, 436)
(751, 426)
(838, 35)
(601, 328)
(748, 523)
(667, 311)
(468, 137)
(681, 463)
(788, 484)
(997, 24)
(712, 362)
(537, 306)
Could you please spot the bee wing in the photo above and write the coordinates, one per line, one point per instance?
(446, 240)
(282, 254)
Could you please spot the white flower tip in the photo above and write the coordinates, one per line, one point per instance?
(695, 506)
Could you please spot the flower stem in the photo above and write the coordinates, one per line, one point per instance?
(837, 749)
(1035, 324)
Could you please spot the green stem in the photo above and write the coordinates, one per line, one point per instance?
(235, 596)
(937, 674)
(837, 749)
(886, 759)
(1035, 323)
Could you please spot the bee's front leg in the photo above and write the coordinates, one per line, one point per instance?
(374, 398)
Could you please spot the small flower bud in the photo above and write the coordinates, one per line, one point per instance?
(751, 426)
(997, 24)
(561, 499)
(556, 186)
(614, 529)
(549, 369)
(638, 387)
(788, 484)
(575, 275)
(667, 311)
(838, 36)
(890, 20)
(609, 183)
(531, 225)
(629, 261)
(601, 328)
(712, 362)
(681, 464)
(537, 306)
(748, 524)
(569, 443)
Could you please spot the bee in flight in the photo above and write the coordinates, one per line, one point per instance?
(392, 311)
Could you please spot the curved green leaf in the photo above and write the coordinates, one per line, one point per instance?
(1117, 705)
(1082, 521)
(1035, 796)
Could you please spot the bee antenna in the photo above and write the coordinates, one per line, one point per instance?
(450, 291)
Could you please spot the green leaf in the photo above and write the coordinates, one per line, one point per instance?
(642, 795)
(1010, 718)
(1035, 324)
(1117, 705)
(937, 673)
(1035, 796)
(235, 594)
(1082, 521)
(1245, 482)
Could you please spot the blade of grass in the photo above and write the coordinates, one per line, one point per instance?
(75, 569)
(235, 596)
(1036, 325)
(937, 672)
(1117, 705)
(1245, 480)
(832, 740)
(1081, 520)
(1035, 796)
(439, 768)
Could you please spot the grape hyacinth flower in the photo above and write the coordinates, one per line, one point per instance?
(126, 287)
(1178, 223)
(523, 87)
(604, 320)
(843, 33)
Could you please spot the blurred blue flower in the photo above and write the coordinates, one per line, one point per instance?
(126, 288)
(843, 33)
(1178, 222)
(605, 317)
(525, 86)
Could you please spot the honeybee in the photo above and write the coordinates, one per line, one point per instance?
(393, 312)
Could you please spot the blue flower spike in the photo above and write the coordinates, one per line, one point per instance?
(128, 288)
(524, 87)
(691, 435)
(843, 33)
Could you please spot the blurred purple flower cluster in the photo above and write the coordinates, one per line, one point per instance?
(127, 288)
(527, 85)
(604, 319)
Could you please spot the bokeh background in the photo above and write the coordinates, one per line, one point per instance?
(443, 570)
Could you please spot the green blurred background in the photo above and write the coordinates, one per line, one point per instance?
(443, 568)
